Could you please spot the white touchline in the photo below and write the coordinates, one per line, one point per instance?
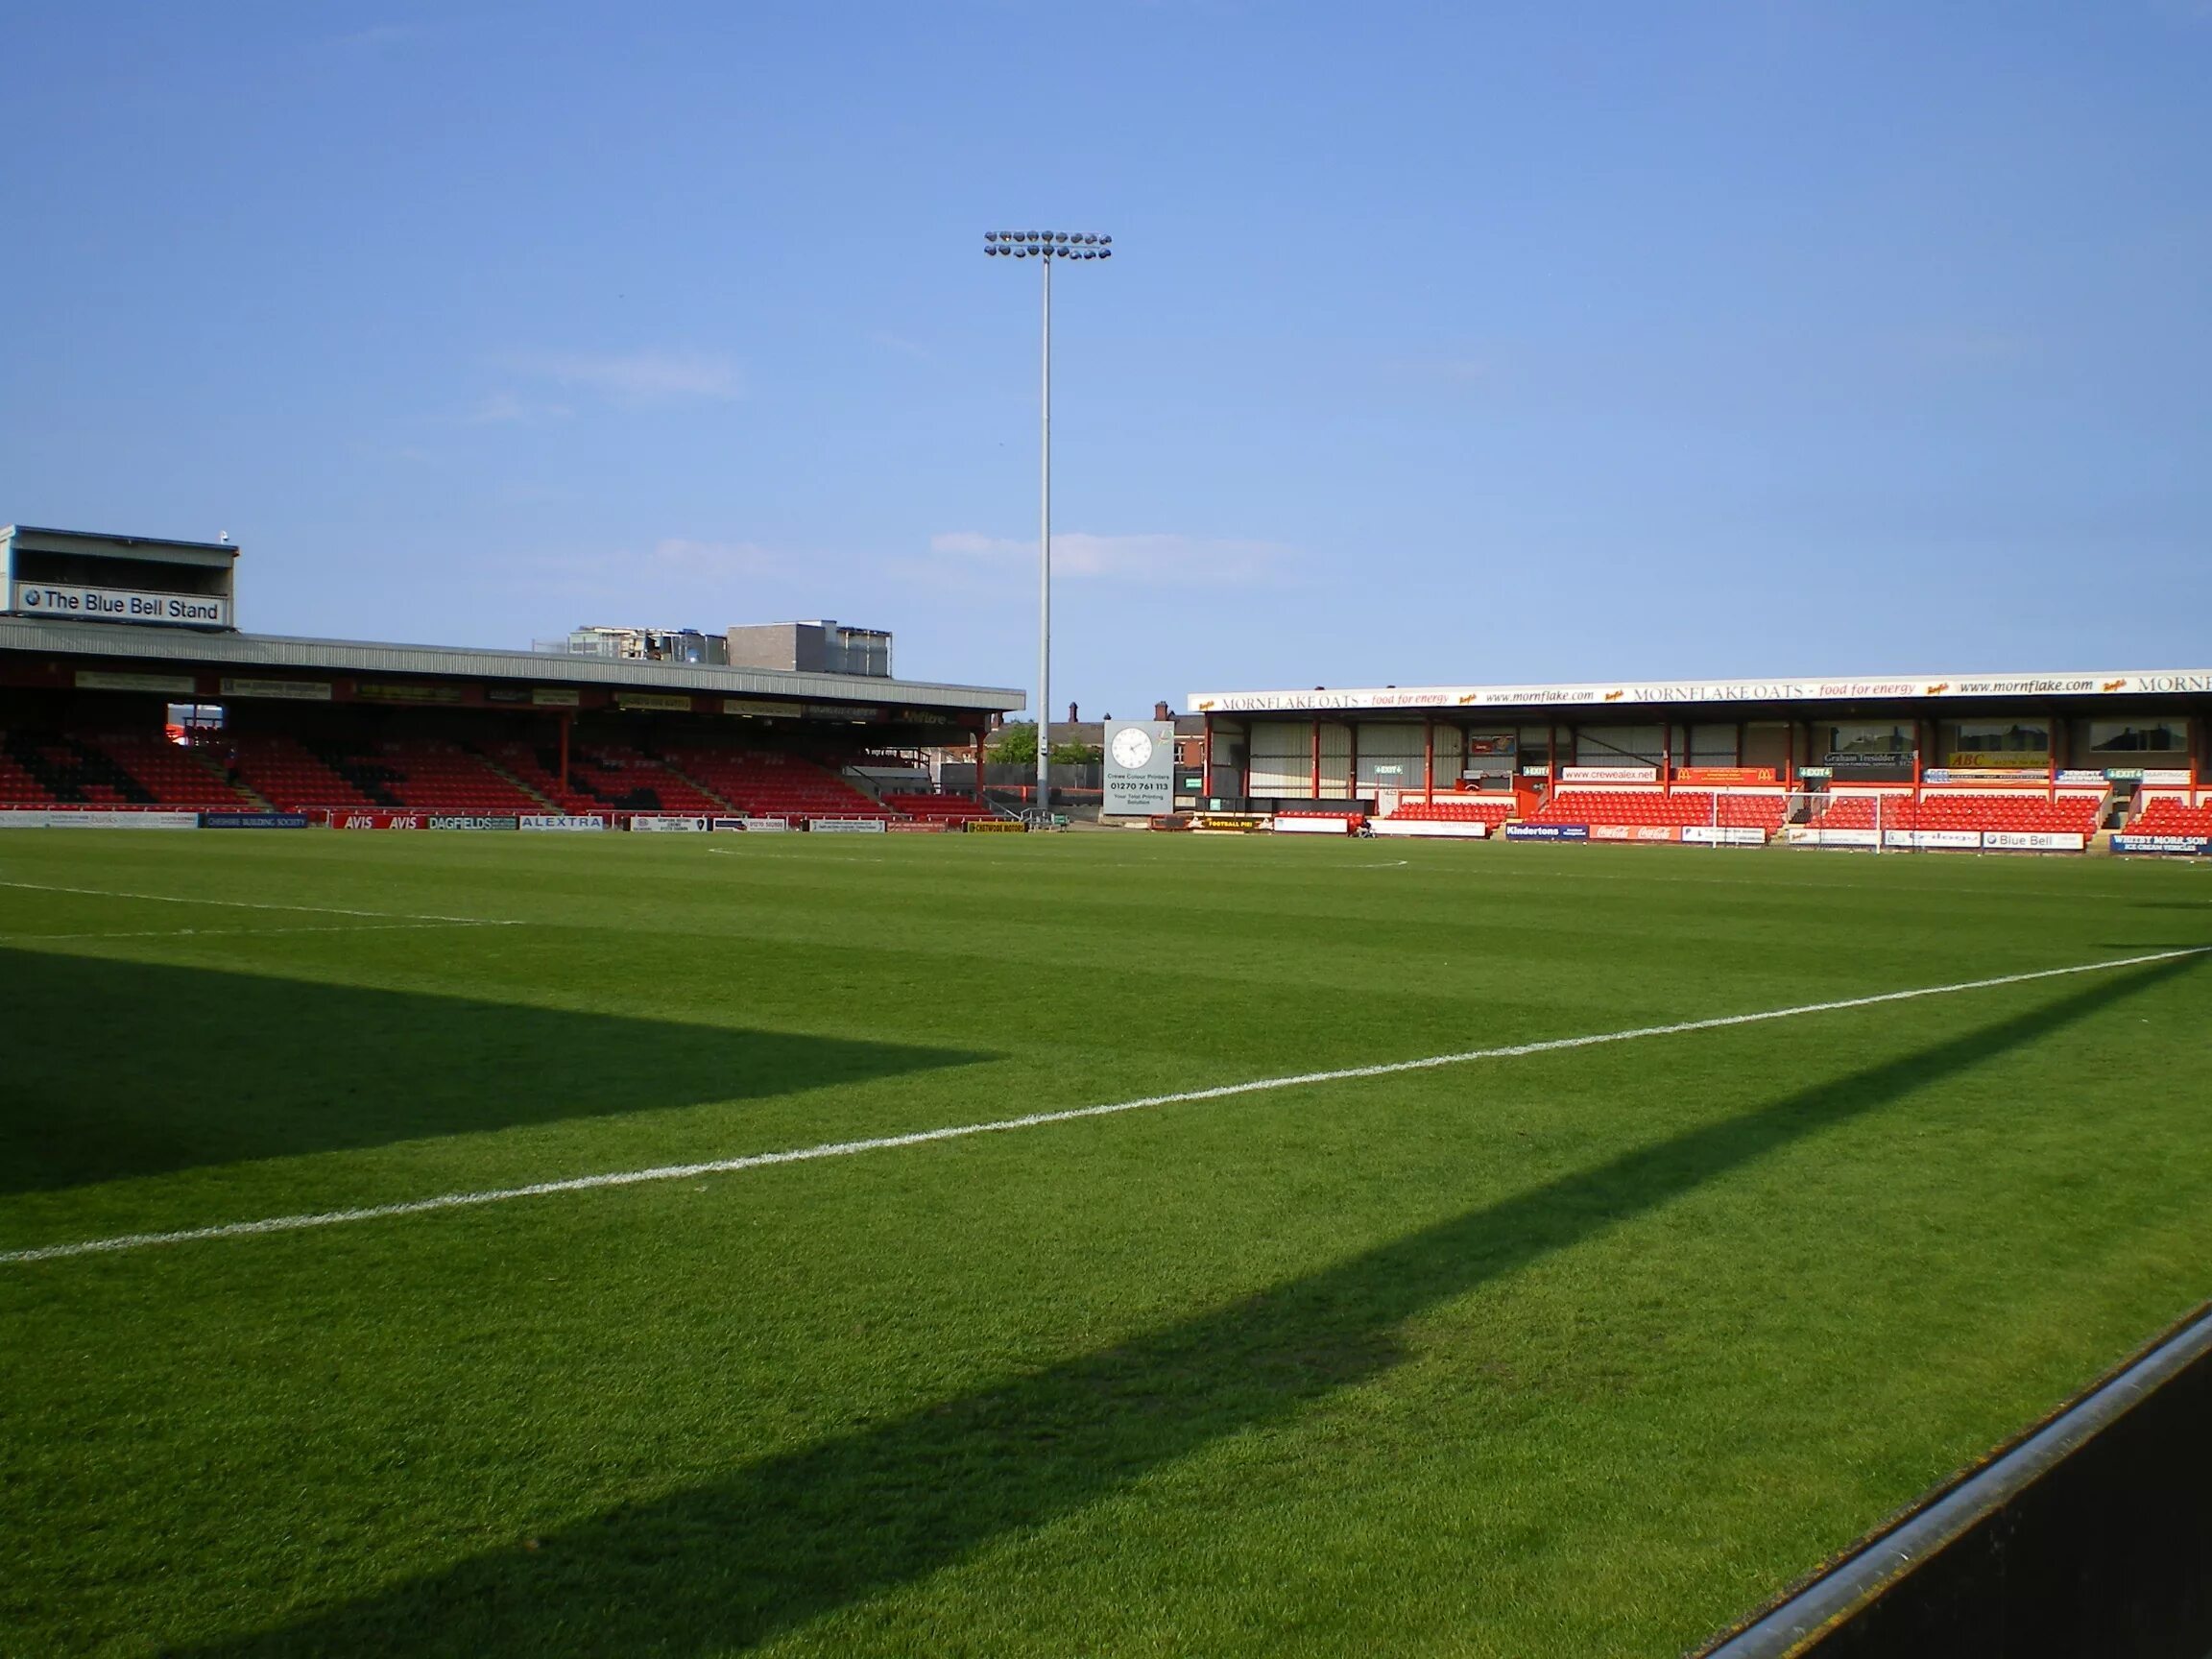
(255, 904)
(1034, 1120)
(239, 932)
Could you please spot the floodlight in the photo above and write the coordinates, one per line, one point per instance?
(1047, 245)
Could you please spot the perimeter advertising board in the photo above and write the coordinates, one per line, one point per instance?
(2172, 846)
(1140, 768)
(1933, 840)
(2033, 841)
(1432, 829)
(253, 820)
(66, 818)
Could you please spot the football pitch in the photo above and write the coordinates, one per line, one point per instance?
(1553, 1346)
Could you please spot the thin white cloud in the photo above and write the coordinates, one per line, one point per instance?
(512, 409)
(1202, 560)
(632, 380)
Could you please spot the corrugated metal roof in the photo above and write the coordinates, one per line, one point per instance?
(356, 657)
(10, 531)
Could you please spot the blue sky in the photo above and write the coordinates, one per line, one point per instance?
(1541, 341)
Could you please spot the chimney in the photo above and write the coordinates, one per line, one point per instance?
(1159, 712)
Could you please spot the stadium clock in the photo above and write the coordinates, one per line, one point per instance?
(1132, 747)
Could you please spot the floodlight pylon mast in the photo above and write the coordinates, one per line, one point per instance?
(1048, 246)
(1044, 555)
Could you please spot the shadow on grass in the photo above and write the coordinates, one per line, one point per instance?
(121, 1068)
(781, 1541)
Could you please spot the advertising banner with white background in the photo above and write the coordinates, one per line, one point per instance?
(74, 604)
(1433, 829)
(60, 818)
(1608, 774)
(1933, 840)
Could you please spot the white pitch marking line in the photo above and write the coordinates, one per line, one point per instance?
(232, 932)
(1036, 1120)
(254, 904)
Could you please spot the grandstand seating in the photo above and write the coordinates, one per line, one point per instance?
(173, 775)
(2068, 814)
(771, 784)
(1490, 810)
(419, 775)
(1683, 808)
(123, 770)
(2167, 816)
(607, 777)
(934, 807)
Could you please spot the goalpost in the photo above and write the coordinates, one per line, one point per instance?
(1862, 821)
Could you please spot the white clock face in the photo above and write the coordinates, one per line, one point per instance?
(1132, 747)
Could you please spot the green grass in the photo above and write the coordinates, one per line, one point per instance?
(1579, 1353)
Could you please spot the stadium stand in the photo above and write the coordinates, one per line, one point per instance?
(2068, 814)
(1683, 808)
(1492, 810)
(173, 775)
(2168, 816)
(44, 768)
(419, 775)
(767, 783)
(609, 778)
(934, 807)
(283, 773)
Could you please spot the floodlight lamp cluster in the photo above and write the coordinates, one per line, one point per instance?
(1048, 245)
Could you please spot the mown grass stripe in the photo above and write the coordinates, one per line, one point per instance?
(1037, 1120)
(254, 904)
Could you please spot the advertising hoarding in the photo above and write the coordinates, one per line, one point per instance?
(1138, 768)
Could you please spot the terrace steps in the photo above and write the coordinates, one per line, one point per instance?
(522, 784)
